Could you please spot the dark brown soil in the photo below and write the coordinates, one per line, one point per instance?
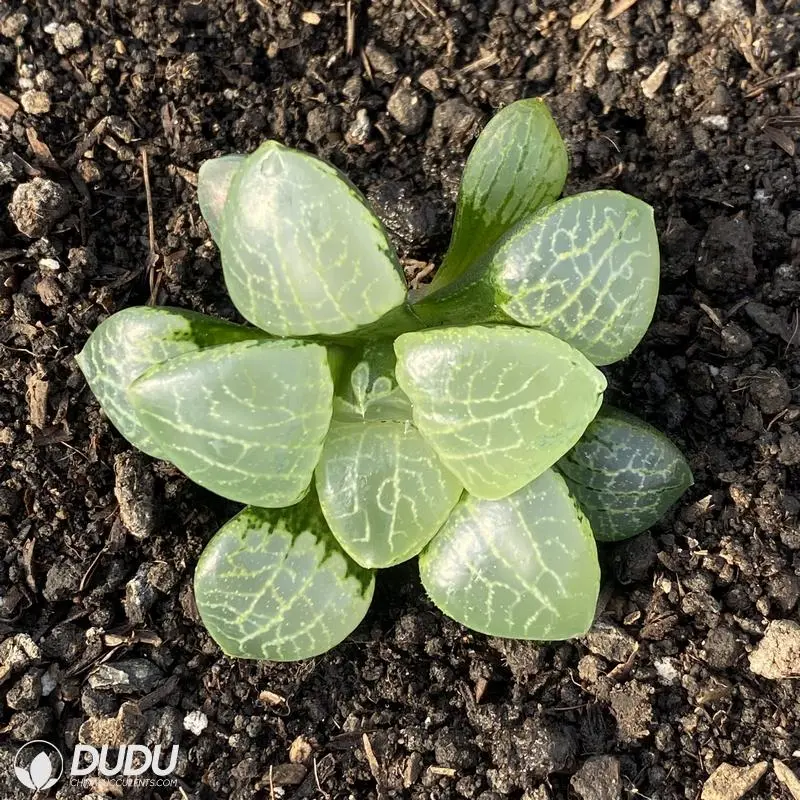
(412, 705)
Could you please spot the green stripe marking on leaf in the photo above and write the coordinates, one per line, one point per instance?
(518, 165)
(522, 567)
(585, 269)
(383, 490)
(274, 584)
(245, 420)
(498, 404)
(625, 474)
(131, 341)
(302, 252)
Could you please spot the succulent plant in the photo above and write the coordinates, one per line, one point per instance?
(363, 424)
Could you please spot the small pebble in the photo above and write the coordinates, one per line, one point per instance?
(16, 653)
(68, 37)
(359, 131)
(134, 490)
(777, 655)
(37, 205)
(727, 782)
(195, 722)
(793, 223)
(124, 728)
(619, 60)
(35, 102)
(129, 676)
(598, 779)
(770, 391)
(14, 24)
(407, 108)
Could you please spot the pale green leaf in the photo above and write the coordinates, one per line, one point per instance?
(625, 474)
(131, 341)
(383, 490)
(245, 420)
(369, 389)
(301, 251)
(523, 567)
(586, 269)
(274, 584)
(498, 404)
(213, 183)
(518, 165)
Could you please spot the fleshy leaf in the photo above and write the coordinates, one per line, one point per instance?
(131, 341)
(518, 165)
(369, 389)
(523, 567)
(625, 474)
(498, 404)
(274, 584)
(213, 183)
(302, 252)
(245, 420)
(586, 270)
(383, 490)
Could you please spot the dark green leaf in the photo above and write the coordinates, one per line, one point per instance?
(625, 474)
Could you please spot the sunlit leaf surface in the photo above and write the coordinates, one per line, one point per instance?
(274, 584)
(625, 474)
(245, 420)
(523, 567)
(518, 165)
(383, 490)
(302, 252)
(498, 404)
(135, 339)
(213, 183)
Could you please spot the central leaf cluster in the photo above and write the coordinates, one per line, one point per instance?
(363, 426)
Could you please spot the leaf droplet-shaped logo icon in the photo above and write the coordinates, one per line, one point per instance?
(45, 768)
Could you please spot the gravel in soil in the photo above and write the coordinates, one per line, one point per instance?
(692, 105)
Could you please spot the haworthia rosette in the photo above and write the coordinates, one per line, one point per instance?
(213, 183)
(518, 165)
(275, 585)
(586, 269)
(499, 405)
(523, 567)
(245, 420)
(131, 341)
(368, 388)
(625, 474)
(383, 491)
(302, 252)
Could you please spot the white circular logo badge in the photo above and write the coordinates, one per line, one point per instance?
(38, 765)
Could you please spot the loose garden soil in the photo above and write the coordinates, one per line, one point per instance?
(692, 105)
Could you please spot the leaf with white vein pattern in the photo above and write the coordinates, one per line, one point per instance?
(274, 584)
(245, 420)
(302, 252)
(518, 165)
(499, 405)
(131, 341)
(625, 474)
(522, 567)
(585, 269)
(383, 490)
